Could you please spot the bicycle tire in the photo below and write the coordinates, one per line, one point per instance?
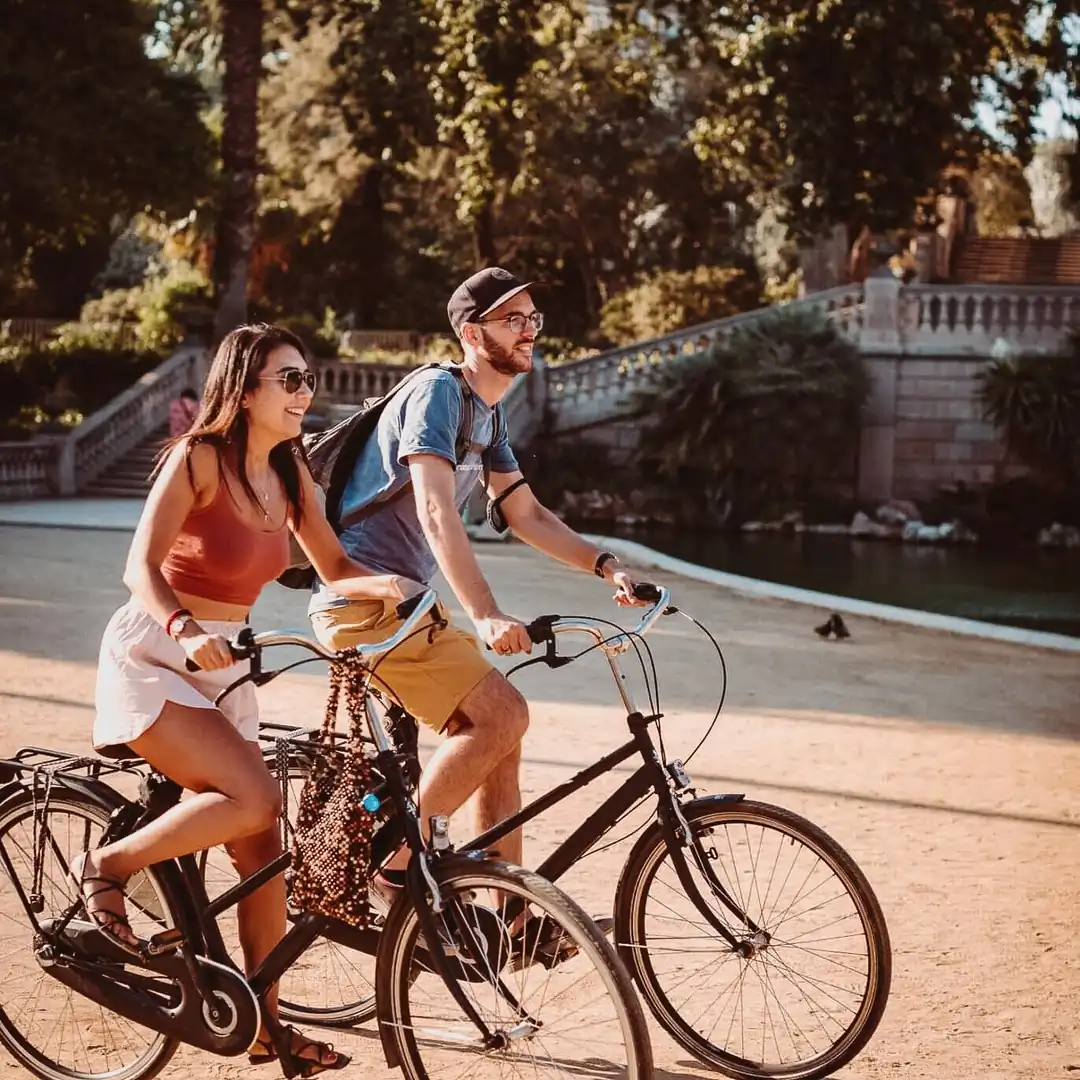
(147, 898)
(399, 962)
(639, 876)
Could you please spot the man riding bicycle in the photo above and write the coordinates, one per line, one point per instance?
(443, 678)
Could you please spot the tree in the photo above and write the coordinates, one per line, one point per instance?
(242, 26)
(91, 130)
(767, 419)
(1035, 402)
(852, 111)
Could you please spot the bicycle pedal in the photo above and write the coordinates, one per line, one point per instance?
(166, 941)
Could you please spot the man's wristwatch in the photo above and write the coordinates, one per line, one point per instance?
(601, 560)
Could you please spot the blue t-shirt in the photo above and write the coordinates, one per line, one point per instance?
(424, 418)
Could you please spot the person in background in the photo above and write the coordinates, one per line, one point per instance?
(182, 412)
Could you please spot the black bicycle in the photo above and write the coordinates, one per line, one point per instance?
(754, 938)
(461, 984)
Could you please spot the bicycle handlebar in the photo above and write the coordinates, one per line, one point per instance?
(412, 610)
(545, 627)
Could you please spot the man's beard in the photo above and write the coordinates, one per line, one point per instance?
(504, 361)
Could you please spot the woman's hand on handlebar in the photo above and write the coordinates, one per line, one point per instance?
(207, 652)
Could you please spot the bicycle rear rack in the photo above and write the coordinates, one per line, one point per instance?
(40, 760)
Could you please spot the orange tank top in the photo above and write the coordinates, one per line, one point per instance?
(219, 556)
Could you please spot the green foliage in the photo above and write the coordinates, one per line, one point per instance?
(90, 128)
(149, 317)
(766, 420)
(56, 385)
(850, 111)
(319, 338)
(1002, 197)
(670, 300)
(1035, 402)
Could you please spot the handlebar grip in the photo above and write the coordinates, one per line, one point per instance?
(539, 630)
(191, 665)
(646, 591)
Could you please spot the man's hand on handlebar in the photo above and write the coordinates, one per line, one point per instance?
(626, 595)
(504, 635)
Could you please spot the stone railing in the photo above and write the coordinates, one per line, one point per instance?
(64, 466)
(28, 469)
(103, 438)
(345, 384)
(941, 320)
(350, 382)
(883, 316)
(597, 387)
(34, 331)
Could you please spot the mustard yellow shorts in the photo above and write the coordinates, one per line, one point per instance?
(430, 678)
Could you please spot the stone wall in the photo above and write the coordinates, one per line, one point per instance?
(925, 428)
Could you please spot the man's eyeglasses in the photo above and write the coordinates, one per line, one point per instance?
(517, 323)
(292, 379)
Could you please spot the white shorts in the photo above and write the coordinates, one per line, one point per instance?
(140, 668)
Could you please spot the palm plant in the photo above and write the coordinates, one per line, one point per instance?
(1035, 402)
(761, 421)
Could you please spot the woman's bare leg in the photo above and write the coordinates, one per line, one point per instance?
(235, 797)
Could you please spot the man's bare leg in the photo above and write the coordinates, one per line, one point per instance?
(496, 799)
(487, 728)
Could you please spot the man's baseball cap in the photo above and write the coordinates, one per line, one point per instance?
(482, 293)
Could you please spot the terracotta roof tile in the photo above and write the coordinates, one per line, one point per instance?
(1017, 261)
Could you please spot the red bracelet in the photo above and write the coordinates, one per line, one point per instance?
(175, 615)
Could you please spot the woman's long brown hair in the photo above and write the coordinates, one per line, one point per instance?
(222, 421)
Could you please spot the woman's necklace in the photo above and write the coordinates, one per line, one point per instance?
(265, 496)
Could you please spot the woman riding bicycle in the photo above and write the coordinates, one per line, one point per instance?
(214, 531)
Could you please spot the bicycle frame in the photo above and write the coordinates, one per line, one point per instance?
(668, 781)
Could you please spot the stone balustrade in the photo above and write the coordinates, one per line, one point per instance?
(27, 469)
(351, 382)
(939, 320)
(596, 388)
(883, 316)
(64, 466)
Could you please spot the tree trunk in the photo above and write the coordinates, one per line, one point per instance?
(242, 24)
(373, 239)
(484, 237)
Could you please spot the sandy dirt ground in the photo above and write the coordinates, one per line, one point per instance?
(948, 767)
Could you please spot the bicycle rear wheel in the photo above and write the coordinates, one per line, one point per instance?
(575, 1017)
(51, 1030)
(800, 996)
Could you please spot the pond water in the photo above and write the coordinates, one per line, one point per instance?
(1036, 589)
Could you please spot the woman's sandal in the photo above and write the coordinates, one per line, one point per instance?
(103, 918)
(308, 1066)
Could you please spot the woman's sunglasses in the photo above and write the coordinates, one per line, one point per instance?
(292, 379)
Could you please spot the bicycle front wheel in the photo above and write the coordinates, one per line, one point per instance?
(542, 1015)
(50, 1029)
(804, 987)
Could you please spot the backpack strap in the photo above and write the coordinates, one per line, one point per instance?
(462, 444)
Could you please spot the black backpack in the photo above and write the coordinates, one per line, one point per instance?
(332, 456)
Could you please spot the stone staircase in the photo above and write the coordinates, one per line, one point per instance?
(128, 477)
